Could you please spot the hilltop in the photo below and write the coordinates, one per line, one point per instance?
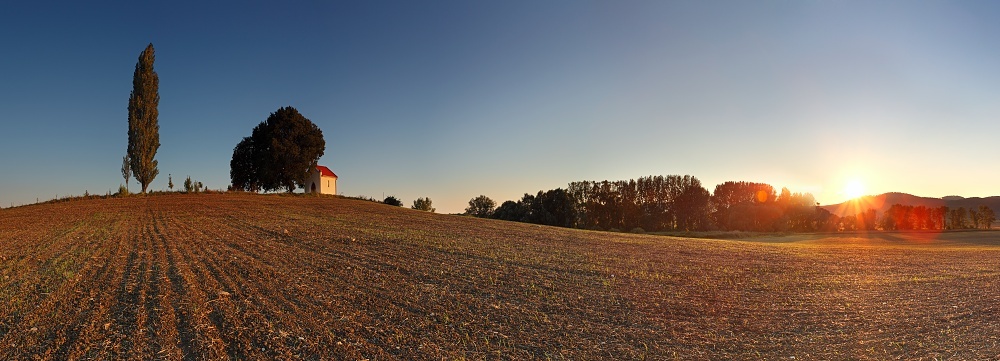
(242, 276)
(882, 202)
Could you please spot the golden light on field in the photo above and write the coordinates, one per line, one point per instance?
(854, 189)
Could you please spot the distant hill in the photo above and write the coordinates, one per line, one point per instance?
(882, 202)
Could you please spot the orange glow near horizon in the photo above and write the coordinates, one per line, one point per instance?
(854, 189)
(859, 205)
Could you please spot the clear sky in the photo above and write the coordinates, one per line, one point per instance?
(452, 99)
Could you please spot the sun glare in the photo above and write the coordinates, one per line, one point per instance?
(854, 189)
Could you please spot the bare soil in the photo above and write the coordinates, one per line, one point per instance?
(238, 276)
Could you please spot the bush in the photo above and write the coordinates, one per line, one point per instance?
(423, 204)
(637, 230)
(364, 198)
(122, 191)
(393, 201)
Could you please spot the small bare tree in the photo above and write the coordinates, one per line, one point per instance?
(126, 171)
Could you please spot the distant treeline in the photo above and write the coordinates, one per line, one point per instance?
(900, 217)
(681, 203)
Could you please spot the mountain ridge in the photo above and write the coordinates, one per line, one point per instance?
(883, 201)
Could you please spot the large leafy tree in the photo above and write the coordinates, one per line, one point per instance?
(242, 168)
(279, 154)
(554, 207)
(143, 120)
(481, 207)
(511, 211)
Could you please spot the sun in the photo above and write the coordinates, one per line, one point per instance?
(854, 189)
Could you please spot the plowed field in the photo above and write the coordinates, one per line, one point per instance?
(236, 276)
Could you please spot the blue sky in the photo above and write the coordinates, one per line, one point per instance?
(452, 99)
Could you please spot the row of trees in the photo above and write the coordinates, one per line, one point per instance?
(658, 203)
(749, 206)
(902, 217)
(663, 203)
(651, 203)
(555, 208)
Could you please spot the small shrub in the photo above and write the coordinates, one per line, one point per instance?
(638, 230)
(393, 201)
(616, 230)
(364, 198)
(423, 204)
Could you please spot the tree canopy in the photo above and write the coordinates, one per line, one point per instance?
(279, 153)
(481, 207)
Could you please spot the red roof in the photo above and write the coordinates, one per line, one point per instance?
(325, 172)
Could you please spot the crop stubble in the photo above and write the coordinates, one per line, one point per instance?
(205, 277)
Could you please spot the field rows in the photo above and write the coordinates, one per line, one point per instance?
(209, 277)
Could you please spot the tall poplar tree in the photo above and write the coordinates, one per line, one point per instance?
(143, 124)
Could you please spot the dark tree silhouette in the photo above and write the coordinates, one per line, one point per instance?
(393, 201)
(745, 206)
(243, 171)
(657, 203)
(481, 207)
(511, 211)
(279, 154)
(693, 205)
(554, 208)
(648, 202)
